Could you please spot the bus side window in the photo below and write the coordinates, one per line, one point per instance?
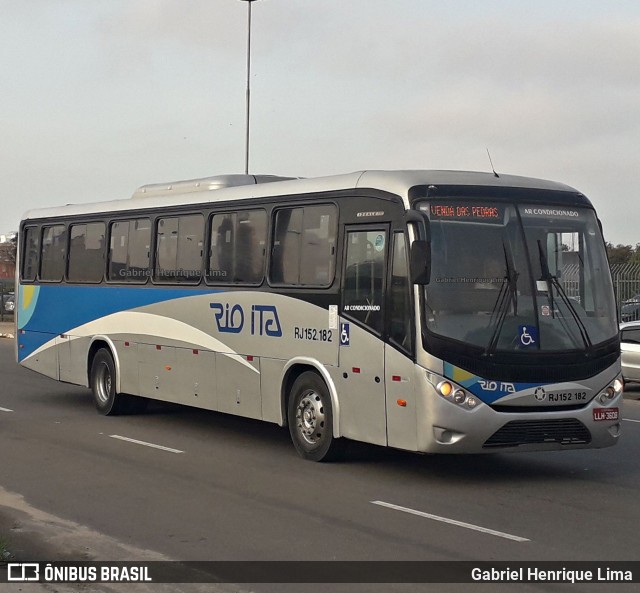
(251, 239)
(31, 252)
(400, 295)
(179, 249)
(363, 282)
(238, 247)
(86, 252)
(54, 253)
(304, 241)
(128, 259)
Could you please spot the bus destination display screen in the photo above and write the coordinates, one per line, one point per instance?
(460, 212)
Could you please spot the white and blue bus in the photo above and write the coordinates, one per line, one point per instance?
(431, 311)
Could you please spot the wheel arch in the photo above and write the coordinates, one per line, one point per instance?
(292, 370)
(97, 343)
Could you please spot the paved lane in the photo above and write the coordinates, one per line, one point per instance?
(196, 485)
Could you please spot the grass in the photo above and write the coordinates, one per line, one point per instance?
(4, 549)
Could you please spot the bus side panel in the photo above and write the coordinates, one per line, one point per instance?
(44, 360)
(127, 353)
(401, 400)
(63, 346)
(156, 364)
(196, 371)
(270, 388)
(238, 385)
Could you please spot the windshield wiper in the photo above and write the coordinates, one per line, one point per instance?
(508, 294)
(553, 282)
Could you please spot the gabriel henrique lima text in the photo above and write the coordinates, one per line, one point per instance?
(535, 575)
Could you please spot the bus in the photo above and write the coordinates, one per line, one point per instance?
(429, 311)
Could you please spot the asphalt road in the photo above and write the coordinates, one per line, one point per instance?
(226, 488)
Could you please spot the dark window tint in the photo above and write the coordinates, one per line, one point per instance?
(304, 246)
(54, 251)
(631, 336)
(179, 249)
(238, 247)
(399, 295)
(86, 252)
(285, 266)
(30, 253)
(129, 250)
(364, 277)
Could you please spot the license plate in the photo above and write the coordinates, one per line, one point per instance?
(605, 414)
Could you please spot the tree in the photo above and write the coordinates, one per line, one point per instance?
(620, 254)
(13, 249)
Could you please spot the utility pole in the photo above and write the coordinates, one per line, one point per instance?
(246, 154)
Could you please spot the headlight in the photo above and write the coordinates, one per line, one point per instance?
(611, 391)
(452, 392)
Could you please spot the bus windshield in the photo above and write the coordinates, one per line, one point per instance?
(518, 277)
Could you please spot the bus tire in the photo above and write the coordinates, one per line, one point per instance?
(310, 419)
(103, 384)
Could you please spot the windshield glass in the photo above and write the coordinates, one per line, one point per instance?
(509, 277)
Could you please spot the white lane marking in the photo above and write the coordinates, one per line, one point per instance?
(5, 410)
(514, 538)
(630, 420)
(117, 436)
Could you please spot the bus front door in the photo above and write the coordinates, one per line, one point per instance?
(361, 381)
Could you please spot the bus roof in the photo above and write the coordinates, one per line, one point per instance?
(239, 187)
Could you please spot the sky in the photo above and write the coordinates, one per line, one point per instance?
(100, 97)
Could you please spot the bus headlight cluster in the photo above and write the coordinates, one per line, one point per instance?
(456, 395)
(612, 391)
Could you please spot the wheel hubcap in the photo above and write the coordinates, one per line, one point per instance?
(103, 383)
(310, 417)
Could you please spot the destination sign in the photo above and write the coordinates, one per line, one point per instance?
(470, 212)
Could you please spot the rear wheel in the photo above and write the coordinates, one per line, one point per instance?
(310, 418)
(103, 386)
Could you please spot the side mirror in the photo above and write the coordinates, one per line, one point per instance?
(420, 262)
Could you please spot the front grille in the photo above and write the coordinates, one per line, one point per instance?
(564, 431)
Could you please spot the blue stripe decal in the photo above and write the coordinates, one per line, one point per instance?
(56, 309)
(488, 391)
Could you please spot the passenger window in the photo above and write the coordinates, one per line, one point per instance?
(179, 249)
(129, 251)
(304, 246)
(363, 283)
(238, 247)
(139, 249)
(30, 253)
(86, 252)
(54, 253)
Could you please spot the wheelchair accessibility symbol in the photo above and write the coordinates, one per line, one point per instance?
(528, 336)
(344, 334)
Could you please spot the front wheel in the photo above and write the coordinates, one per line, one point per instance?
(310, 418)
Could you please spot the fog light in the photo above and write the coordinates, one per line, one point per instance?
(472, 402)
(459, 396)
